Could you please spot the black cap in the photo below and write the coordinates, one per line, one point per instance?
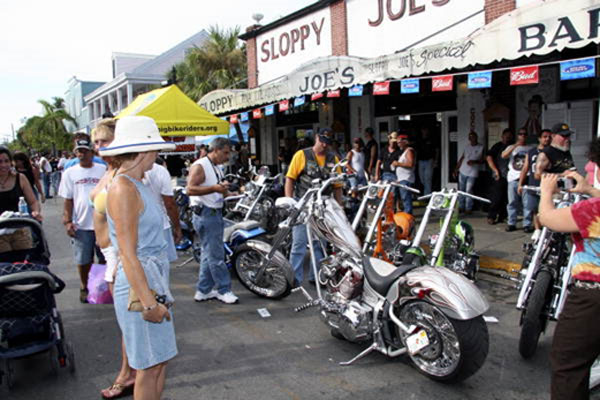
(324, 135)
(562, 129)
(83, 143)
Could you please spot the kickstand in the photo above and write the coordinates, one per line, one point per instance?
(361, 355)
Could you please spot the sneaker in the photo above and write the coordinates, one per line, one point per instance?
(227, 297)
(511, 228)
(199, 296)
(491, 221)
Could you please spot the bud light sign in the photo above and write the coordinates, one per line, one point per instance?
(409, 86)
(578, 69)
(244, 117)
(480, 80)
(298, 101)
(355, 91)
(524, 75)
(269, 110)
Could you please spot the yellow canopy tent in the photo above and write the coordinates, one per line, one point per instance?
(176, 114)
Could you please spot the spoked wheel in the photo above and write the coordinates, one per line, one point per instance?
(456, 349)
(533, 319)
(273, 284)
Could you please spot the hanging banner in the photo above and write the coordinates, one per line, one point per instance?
(333, 93)
(233, 119)
(524, 75)
(381, 88)
(316, 96)
(284, 105)
(442, 83)
(355, 91)
(409, 86)
(298, 101)
(480, 80)
(578, 69)
(257, 113)
(269, 110)
(244, 117)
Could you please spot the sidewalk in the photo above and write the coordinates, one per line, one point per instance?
(498, 249)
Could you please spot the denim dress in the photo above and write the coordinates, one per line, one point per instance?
(146, 343)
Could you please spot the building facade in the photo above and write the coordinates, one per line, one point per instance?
(76, 105)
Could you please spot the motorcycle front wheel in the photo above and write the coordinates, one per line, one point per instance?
(456, 349)
(272, 285)
(533, 321)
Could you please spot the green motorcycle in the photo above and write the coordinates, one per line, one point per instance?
(454, 246)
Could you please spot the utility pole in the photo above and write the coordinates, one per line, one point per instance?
(12, 127)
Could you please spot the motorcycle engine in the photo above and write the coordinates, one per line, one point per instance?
(344, 311)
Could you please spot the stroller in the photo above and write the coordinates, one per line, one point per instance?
(29, 321)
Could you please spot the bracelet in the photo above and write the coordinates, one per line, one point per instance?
(151, 307)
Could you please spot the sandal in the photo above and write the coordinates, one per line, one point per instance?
(83, 294)
(117, 390)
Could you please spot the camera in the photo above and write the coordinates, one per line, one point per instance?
(566, 183)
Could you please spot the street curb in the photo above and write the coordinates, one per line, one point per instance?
(499, 263)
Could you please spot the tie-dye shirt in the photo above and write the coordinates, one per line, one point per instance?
(586, 263)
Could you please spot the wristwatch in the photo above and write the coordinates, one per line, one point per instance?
(152, 307)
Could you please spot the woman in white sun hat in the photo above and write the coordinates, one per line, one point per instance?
(141, 292)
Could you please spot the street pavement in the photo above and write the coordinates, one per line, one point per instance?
(231, 352)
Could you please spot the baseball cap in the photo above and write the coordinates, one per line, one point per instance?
(562, 129)
(83, 143)
(393, 137)
(324, 135)
(402, 136)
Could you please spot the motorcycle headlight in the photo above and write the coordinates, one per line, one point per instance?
(438, 201)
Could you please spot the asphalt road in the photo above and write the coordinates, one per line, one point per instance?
(231, 352)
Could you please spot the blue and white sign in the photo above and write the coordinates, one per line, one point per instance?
(409, 86)
(244, 116)
(480, 80)
(269, 110)
(298, 101)
(355, 91)
(578, 69)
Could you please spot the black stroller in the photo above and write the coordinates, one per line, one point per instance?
(29, 320)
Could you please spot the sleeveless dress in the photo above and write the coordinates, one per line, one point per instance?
(147, 344)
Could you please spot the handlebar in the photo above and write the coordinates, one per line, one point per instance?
(232, 198)
(401, 186)
(457, 192)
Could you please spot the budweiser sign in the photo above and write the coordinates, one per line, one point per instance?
(284, 105)
(316, 96)
(524, 75)
(257, 113)
(381, 88)
(333, 93)
(442, 83)
(233, 119)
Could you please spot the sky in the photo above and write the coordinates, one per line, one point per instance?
(45, 43)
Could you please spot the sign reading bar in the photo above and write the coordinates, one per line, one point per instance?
(356, 91)
(381, 88)
(409, 86)
(480, 80)
(333, 93)
(257, 113)
(270, 109)
(442, 83)
(525, 75)
(284, 105)
(316, 96)
(578, 69)
(233, 119)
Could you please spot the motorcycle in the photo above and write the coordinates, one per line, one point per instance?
(453, 247)
(432, 314)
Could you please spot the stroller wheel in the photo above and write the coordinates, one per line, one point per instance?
(8, 374)
(70, 357)
(54, 361)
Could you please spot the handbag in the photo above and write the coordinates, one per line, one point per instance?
(133, 302)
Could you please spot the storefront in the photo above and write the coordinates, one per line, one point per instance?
(406, 65)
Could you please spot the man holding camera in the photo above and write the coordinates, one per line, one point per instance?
(207, 189)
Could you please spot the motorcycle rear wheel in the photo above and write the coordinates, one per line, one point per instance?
(457, 349)
(533, 321)
(273, 285)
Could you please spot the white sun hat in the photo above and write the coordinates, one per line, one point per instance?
(136, 134)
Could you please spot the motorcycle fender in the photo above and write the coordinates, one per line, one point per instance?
(278, 258)
(452, 293)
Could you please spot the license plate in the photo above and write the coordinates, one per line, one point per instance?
(417, 342)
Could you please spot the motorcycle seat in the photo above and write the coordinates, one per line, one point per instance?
(244, 225)
(381, 274)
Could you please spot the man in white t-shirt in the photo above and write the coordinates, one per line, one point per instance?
(46, 171)
(76, 184)
(516, 153)
(467, 170)
(159, 181)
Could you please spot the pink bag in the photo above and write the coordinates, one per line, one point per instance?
(98, 292)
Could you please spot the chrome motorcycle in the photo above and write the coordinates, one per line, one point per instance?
(432, 314)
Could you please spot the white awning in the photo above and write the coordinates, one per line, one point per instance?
(537, 29)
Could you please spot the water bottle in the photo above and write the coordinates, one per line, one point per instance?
(23, 209)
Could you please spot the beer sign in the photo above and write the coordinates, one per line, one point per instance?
(442, 83)
(381, 88)
(525, 75)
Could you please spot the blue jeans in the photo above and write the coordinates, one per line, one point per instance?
(357, 181)
(515, 202)
(46, 177)
(406, 197)
(213, 271)
(298, 252)
(391, 177)
(530, 207)
(426, 175)
(465, 184)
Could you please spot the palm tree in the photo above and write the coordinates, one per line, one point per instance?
(220, 63)
(48, 130)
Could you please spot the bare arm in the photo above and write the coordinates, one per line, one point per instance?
(34, 205)
(410, 160)
(173, 215)
(377, 167)
(196, 178)
(508, 151)
(541, 164)
(289, 187)
(38, 185)
(559, 220)
(524, 170)
(125, 206)
(373, 159)
(492, 165)
(68, 217)
(582, 185)
(349, 163)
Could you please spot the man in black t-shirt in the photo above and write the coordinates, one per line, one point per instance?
(371, 151)
(556, 158)
(499, 185)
